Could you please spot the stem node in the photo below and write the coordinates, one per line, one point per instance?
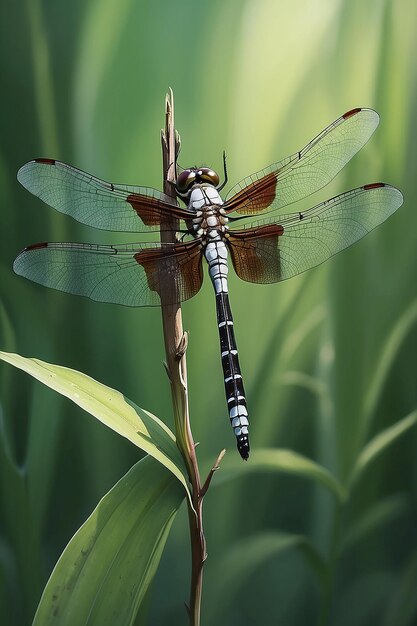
(215, 467)
(182, 346)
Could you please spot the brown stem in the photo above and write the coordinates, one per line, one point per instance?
(175, 348)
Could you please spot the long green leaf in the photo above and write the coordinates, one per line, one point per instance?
(105, 570)
(380, 443)
(110, 407)
(280, 460)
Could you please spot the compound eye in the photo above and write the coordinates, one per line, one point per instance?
(185, 180)
(210, 176)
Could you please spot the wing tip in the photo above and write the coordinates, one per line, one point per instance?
(397, 192)
(22, 170)
(358, 110)
(22, 254)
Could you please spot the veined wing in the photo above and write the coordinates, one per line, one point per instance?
(95, 202)
(306, 171)
(268, 253)
(130, 274)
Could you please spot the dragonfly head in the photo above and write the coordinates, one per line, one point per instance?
(195, 176)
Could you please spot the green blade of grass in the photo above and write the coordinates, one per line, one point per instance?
(104, 572)
(110, 407)
(280, 460)
(379, 444)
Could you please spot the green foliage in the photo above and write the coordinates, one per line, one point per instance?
(105, 570)
(140, 427)
(286, 461)
(329, 358)
(379, 443)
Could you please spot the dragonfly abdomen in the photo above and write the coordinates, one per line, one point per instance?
(216, 255)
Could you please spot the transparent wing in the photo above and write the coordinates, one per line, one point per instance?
(132, 275)
(306, 171)
(268, 253)
(95, 202)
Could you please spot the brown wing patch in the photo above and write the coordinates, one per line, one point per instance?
(255, 197)
(153, 212)
(255, 253)
(45, 161)
(351, 112)
(373, 186)
(174, 272)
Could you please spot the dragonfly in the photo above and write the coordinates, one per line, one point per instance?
(267, 250)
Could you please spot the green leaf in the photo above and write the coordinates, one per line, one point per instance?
(314, 385)
(280, 460)
(380, 443)
(104, 572)
(110, 407)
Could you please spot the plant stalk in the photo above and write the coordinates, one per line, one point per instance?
(175, 349)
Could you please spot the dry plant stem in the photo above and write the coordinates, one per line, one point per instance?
(175, 347)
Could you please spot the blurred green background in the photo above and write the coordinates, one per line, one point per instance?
(329, 358)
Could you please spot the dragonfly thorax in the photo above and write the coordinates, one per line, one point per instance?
(203, 195)
(210, 219)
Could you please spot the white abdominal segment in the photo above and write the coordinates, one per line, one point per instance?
(216, 255)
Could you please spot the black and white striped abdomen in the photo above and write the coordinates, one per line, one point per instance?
(216, 255)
